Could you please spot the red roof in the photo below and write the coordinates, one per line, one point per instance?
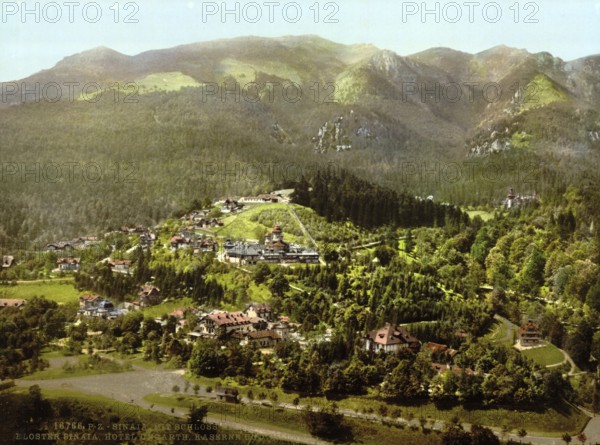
(530, 328)
(120, 262)
(436, 347)
(257, 335)
(229, 318)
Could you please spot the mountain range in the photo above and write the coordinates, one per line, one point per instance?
(302, 100)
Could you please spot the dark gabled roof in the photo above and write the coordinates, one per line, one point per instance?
(243, 250)
(392, 335)
(258, 335)
(69, 260)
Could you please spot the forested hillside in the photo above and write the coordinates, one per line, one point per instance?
(170, 126)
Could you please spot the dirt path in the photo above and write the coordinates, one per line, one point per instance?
(307, 234)
(510, 328)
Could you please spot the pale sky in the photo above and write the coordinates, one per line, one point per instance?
(35, 35)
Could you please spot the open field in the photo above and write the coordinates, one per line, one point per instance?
(257, 219)
(60, 290)
(484, 215)
(166, 307)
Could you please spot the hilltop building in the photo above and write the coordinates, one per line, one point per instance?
(514, 200)
(274, 250)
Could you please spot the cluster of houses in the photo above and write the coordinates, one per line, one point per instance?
(256, 324)
(234, 205)
(95, 306)
(513, 200)
(394, 338)
(73, 264)
(188, 239)
(91, 305)
(200, 219)
(274, 250)
(231, 206)
(264, 198)
(82, 242)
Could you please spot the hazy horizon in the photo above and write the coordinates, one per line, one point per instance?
(35, 40)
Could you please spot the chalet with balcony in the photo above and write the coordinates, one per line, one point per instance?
(120, 266)
(264, 339)
(259, 310)
(530, 335)
(88, 300)
(149, 295)
(391, 338)
(223, 323)
(69, 264)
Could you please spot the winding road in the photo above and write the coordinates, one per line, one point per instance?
(131, 387)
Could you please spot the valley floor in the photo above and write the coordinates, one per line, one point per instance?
(135, 386)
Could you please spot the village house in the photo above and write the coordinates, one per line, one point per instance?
(205, 245)
(513, 200)
(438, 350)
(259, 310)
(88, 300)
(133, 230)
(100, 308)
(149, 295)
(86, 241)
(223, 323)
(281, 328)
(60, 246)
(391, 338)
(261, 199)
(231, 205)
(264, 339)
(229, 395)
(179, 242)
(12, 302)
(69, 264)
(530, 335)
(200, 219)
(147, 240)
(120, 266)
(7, 261)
